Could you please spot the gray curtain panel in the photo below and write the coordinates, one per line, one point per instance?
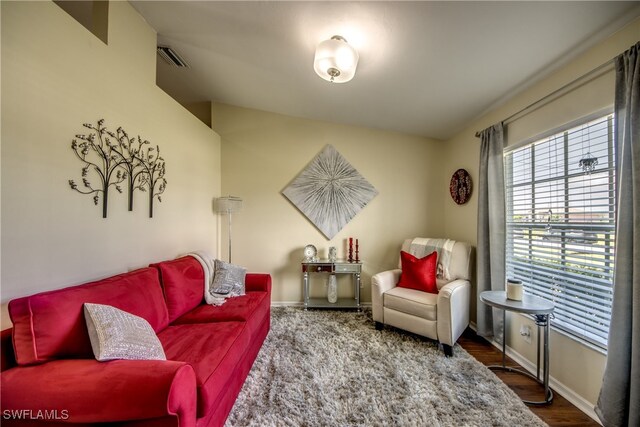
(491, 228)
(619, 400)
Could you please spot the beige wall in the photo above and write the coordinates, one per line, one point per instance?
(573, 364)
(56, 75)
(262, 154)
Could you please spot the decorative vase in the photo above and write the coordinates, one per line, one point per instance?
(333, 254)
(332, 289)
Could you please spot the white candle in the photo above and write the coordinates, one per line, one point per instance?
(514, 290)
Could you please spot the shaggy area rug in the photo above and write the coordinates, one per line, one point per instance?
(332, 368)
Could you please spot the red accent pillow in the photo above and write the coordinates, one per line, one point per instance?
(183, 284)
(419, 273)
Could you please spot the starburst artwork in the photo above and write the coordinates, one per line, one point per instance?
(329, 192)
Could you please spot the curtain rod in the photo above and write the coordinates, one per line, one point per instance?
(585, 78)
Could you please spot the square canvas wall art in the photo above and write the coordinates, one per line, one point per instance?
(329, 192)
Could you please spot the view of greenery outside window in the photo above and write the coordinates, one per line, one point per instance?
(560, 201)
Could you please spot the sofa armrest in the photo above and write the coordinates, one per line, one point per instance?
(453, 310)
(88, 391)
(381, 283)
(257, 282)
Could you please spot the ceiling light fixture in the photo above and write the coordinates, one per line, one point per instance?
(336, 60)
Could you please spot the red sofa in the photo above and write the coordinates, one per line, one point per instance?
(50, 377)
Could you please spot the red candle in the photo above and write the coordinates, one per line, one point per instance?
(350, 241)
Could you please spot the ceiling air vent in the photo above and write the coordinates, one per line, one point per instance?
(171, 57)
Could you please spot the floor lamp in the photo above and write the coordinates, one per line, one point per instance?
(228, 205)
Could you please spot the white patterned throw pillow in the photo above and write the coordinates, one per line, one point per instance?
(228, 280)
(116, 334)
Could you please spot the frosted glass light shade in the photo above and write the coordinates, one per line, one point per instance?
(228, 204)
(335, 60)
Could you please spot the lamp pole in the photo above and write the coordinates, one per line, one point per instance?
(229, 215)
(228, 205)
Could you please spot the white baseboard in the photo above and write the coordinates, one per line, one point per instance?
(301, 304)
(578, 401)
(286, 304)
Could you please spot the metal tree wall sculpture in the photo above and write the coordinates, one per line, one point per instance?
(114, 157)
(128, 149)
(99, 159)
(153, 179)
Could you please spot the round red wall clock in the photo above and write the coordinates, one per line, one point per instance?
(460, 186)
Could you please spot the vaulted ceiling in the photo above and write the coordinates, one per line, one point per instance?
(426, 68)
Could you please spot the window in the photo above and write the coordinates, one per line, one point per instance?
(560, 200)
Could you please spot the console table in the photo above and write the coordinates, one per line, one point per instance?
(331, 267)
(541, 309)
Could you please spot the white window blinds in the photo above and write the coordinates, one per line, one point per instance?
(561, 225)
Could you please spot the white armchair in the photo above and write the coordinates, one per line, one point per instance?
(442, 316)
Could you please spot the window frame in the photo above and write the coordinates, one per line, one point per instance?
(557, 131)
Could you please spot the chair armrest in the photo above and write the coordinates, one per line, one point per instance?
(88, 391)
(381, 283)
(453, 310)
(257, 282)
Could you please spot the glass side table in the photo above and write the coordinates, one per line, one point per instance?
(541, 309)
(332, 267)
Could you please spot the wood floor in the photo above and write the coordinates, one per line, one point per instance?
(558, 413)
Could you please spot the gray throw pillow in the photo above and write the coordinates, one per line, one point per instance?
(116, 334)
(228, 280)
